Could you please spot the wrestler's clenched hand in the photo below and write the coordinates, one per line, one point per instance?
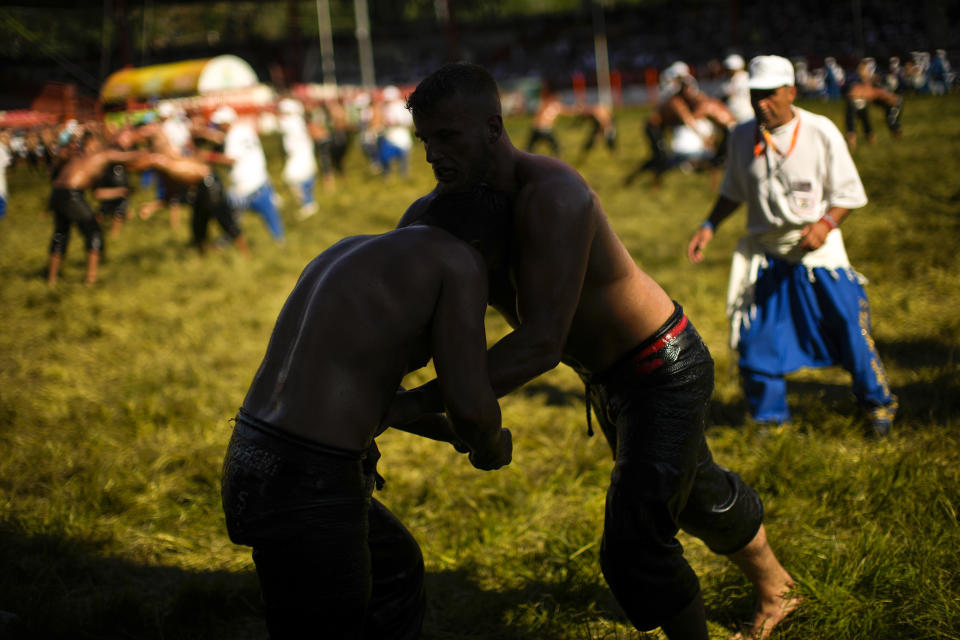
(498, 456)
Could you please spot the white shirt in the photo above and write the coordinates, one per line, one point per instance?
(397, 122)
(738, 96)
(689, 141)
(4, 162)
(791, 187)
(301, 164)
(786, 190)
(178, 134)
(249, 170)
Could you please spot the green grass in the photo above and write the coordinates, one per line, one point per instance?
(115, 401)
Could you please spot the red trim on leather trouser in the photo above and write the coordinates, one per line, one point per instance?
(665, 339)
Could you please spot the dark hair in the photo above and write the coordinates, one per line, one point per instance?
(462, 78)
(482, 217)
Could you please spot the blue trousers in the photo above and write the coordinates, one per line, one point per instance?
(387, 152)
(261, 201)
(804, 322)
(305, 189)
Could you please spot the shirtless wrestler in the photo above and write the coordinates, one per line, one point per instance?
(574, 294)
(79, 173)
(209, 198)
(333, 562)
(684, 105)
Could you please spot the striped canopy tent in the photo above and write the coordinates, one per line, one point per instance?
(175, 79)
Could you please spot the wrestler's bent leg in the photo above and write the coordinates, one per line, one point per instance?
(398, 602)
(317, 588)
(659, 431)
(722, 510)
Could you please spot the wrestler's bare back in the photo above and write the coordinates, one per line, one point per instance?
(619, 305)
(83, 170)
(361, 315)
(547, 114)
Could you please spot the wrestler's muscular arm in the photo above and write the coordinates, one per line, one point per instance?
(556, 224)
(124, 157)
(434, 426)
(459, 347)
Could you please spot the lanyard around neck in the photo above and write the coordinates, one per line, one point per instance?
(767, 141)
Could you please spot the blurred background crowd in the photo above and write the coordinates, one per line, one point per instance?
(328, 76)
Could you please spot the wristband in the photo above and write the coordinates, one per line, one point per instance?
(706, 224)
(830, 221)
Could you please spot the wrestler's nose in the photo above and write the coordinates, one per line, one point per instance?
(433, 153)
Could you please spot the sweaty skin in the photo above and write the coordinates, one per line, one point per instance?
(577, 294)
(688, 106)
(550, 108)
(574, 293)
(873, 93)
(364, 313)
(82, 171)
(183, 170)
(79, 173)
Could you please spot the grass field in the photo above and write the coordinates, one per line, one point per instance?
(115, 401)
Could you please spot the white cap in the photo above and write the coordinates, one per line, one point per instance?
(734, 62)
(289, 105)
(223, 115)
(770, 72)
(675, 71)
(165, 110)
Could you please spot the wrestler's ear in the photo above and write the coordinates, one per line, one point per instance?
(494, 128)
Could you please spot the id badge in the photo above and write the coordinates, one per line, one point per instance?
(802, 198)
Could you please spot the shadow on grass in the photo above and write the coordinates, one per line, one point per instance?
(58, 587)
(553, 396)
(459, 608)
(918, 353)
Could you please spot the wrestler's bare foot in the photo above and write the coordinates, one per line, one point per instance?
(769, 613)
(775, 599)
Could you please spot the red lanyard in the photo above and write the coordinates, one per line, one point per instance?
(760, 145)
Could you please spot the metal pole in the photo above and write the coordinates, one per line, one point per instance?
(105, 40)
(600, 54)
(325, 28)
(367, 78)
(444, 10)
(144, 30)
(858, 26)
